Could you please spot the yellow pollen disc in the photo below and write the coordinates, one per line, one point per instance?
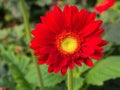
(69, 44)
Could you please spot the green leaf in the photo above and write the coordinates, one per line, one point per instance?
(77, 71)
(49, 79)
(112, 33)
(105, 69)
(4, 33)
(17, 70)
(43, 2)
(13, 33)
(77, 83)
(13, 6)
(53, 88)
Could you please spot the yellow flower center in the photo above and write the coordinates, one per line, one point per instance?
(69, 44)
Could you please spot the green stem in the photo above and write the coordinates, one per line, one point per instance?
(27, 28)
(70, 80)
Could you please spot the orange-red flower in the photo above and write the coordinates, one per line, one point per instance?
(67, 38)
(104, 5)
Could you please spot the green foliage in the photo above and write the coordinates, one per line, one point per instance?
(77, 83)
(17, 70)
(14, 33)
(105, 69)
(24, 73)
(13, 6)
(53, 88)
(44, 2)
(112, 33)
(4, 34)
(17, 67)
(49, 79)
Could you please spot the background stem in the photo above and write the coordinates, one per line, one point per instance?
(70, 80)
(27, 28)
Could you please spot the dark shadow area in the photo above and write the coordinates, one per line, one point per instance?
(108, 85)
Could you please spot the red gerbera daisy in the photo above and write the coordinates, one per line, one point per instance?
(67, 38)
(104, 5)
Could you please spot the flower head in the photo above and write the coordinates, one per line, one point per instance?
(67, 38)
(104, 5)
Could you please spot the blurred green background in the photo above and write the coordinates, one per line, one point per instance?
(17, 70)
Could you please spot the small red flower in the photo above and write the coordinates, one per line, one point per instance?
(104, 5)
(67, 38)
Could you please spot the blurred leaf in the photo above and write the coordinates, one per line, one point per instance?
(43, 2)
(1, 3)
(4, 33)
(117, 6)
(112, 33)
(70, 2)
(8, 17)
(77, 83)
(105, 69)
(49, 79)
(53, 88)
(17, 67)
(79, 70)
(7, 81)
(14, 7)
(13, 33)
(17, 32)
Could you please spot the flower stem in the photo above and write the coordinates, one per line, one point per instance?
(27, 28)
(70, 80)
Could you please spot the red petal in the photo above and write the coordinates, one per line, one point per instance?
(45, 50)
(70, 17)
(50, 68)
(97, 55)
(83, 15)
(98, 48)
(55, 20)
(50, 22)
(42, 59)
(59, 18)
(58, 63)
(103, 6)
(79, 62)
(66, 13)
(88, 62)
(90, 28)
(103, 43)
(91, 17)
(41, 30)
(64, 61)
(71, 64)
(56, 69)
(36, 42)
(88, 50)
(64, 70)
(93, 41)
(37, 52)
(53, 57)
(98, 32)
